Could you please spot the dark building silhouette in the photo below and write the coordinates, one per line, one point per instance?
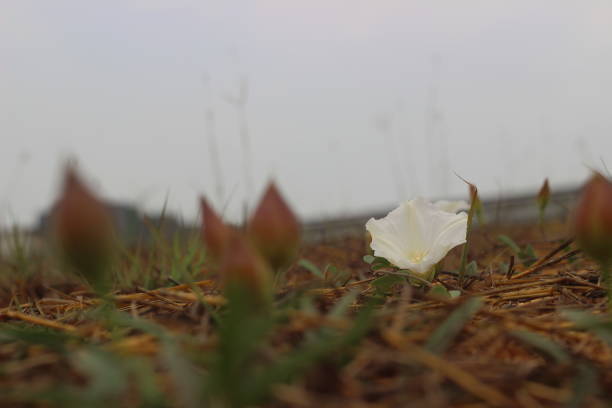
(132, 226)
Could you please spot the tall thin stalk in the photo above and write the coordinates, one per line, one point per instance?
(468, 235)
(384, 125)
(213, 151)
(239, 102)
(213, 146)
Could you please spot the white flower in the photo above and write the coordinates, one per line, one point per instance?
(452, 206)
(417, 235)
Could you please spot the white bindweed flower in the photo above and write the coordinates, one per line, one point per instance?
(417, 235)
(452, 206)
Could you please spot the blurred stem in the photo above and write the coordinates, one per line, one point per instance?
(279, 277)
(541, 222)
(466, 247)
(431, 274)
(242, 332)
(107, 301)
(606, 268)
(101, 284)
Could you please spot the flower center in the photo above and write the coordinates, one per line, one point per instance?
(416, 257)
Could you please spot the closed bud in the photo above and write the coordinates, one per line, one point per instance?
(243, 271)
(475, 203)
(84, 230)
(474, 197)
(473, 192)
(214, 231)
(543, 198)
(593, 219)
(274, 229)
(543, 195)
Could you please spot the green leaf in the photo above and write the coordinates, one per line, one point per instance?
(527, 255)
(343, 304)
(471, 269)
(327, 344)
(122, 319)
(440, 291)
(543, 344)
(183, 373)
(503, 268)
(330, 270)
(306, 305)
(443, 336)
(52, 339)
(143, 371)
(369, 259)
(597, 325)
(335, 275)
(584, 385)
(380, 263)
(530, 252)
(384, 284)
(509, 242)
(454, 293)
(312, 268)
(107, 379)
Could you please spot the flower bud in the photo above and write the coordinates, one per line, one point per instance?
(543, 195)
(593, 219)
(274, 229)
(543, 198)
(84, 230)
(214, 232)
(476, 204)
(244, 272)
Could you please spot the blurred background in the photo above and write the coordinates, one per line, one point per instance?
(350, 105)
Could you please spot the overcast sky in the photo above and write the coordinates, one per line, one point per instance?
(349, 104)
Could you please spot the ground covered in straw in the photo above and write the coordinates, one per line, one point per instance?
(527, 328)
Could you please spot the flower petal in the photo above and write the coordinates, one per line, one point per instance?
(418, 234)
(452, 235)
(433, 221)
(400, 233)
(421, 268)
(452, 206)
(386, 241)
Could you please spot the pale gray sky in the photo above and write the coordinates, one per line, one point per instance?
(351, 104)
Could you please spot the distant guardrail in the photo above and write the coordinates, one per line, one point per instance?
(521, 209)
(518, 209)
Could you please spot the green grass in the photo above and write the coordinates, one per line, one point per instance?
(338, 329)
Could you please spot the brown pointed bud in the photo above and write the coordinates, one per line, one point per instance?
(475, 197)
(593, 219)
(475, 203)
(214, 231)
(543, 196)
(274, 229)
(84, 229)
(243, 270)
(473, 192)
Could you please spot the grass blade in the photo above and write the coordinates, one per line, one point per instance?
(442, 337)
(543, 344)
